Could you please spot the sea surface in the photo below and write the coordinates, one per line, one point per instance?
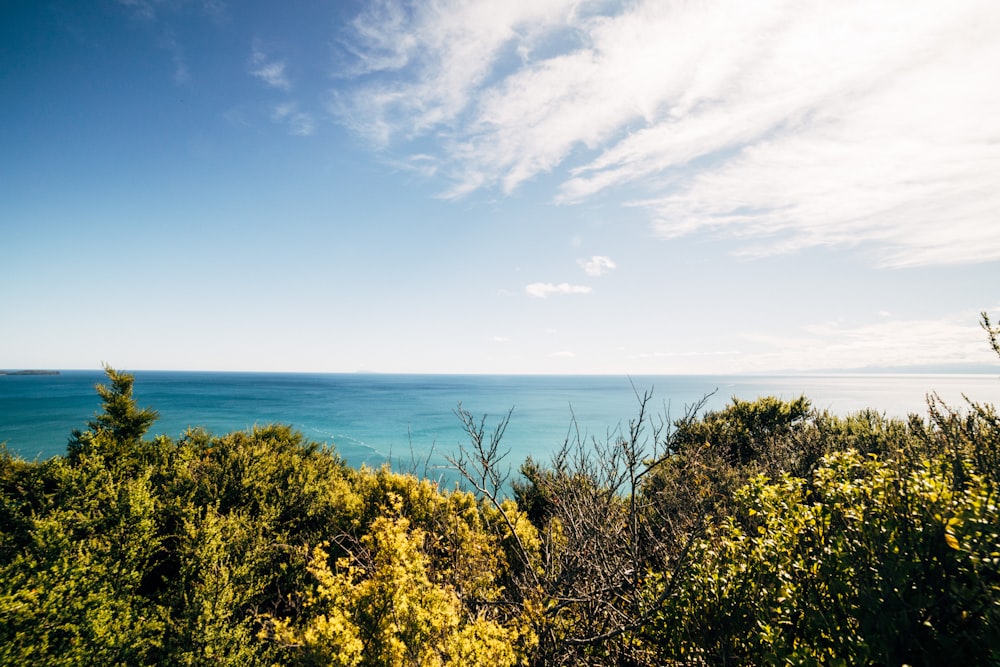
(410, 421)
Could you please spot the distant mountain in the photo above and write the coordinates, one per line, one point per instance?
(918, 369)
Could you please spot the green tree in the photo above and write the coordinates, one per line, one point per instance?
(71, 593)
(746, 430)
(118, 430)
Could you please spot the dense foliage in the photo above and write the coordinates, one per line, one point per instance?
(764, 533)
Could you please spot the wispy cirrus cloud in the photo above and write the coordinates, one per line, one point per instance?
(432, 59)
(144, 9)
(299, 123)
(786, 125)
(887, 343)
(545, 290)
(150, 10)
(271, 72)
(182, 74)
(160, 16)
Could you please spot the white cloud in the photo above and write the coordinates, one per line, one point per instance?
(686, 353)
(953, 340)
(787, 125)
(148, 10)
(837, 345)
(545, 290)
(144, 9)
(596, 266)
(299, 123)
(271, 72)
(168, 41)
(442, 53)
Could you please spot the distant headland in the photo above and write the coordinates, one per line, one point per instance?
(29, 372)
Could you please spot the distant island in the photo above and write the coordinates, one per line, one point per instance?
(29, 372)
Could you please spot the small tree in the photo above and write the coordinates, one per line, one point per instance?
(580, 539)
(746, 430)
(119, 429)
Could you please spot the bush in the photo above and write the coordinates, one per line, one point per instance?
(764, 533)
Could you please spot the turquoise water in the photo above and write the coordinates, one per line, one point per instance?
(374, 418)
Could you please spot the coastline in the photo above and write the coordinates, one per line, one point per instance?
(30, 372)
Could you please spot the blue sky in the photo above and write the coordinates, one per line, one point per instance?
(537, 186)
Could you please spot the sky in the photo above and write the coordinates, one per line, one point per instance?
(499, 186)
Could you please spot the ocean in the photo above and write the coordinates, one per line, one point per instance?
(374, 418)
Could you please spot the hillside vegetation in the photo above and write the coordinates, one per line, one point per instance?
(766, 533)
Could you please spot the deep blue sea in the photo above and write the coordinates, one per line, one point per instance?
(371, 419)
